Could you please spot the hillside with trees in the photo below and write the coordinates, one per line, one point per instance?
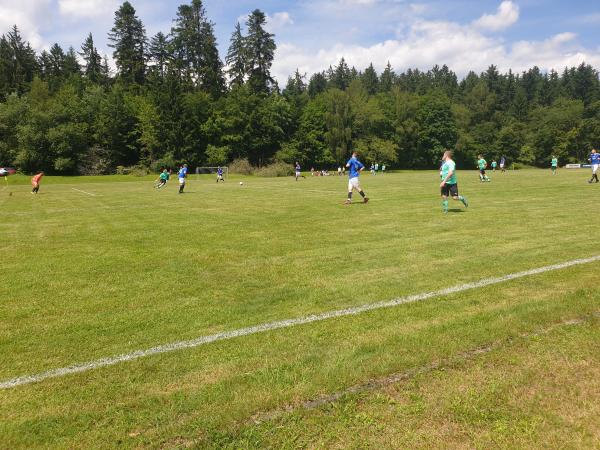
(173, 99)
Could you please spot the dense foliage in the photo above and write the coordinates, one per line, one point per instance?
(172, 100)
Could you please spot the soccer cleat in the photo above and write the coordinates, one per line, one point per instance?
(465, 202)
(348, 202)
(366, 200)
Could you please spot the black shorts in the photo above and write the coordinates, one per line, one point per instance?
(482, 171)
(450, 190)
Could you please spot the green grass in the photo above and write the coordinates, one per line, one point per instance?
(85, 277)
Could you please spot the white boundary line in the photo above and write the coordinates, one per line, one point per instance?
(225, 335)
(84, 192)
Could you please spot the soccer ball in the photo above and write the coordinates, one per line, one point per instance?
(241, 183)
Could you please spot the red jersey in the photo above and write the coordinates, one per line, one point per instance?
(36, 178)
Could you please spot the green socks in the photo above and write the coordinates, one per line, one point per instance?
(445, 206)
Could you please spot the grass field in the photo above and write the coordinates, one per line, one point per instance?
(97, 267)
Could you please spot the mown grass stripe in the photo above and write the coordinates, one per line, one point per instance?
(203, 340)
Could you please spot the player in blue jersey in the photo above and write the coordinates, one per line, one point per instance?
(220, 174)
(594, 160)
(298, 170)
(502, 164)
(182, 174)
(355, 168)
(449, 185)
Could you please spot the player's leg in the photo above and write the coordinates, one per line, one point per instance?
(456, 196)
(350, 189)
(360, 191)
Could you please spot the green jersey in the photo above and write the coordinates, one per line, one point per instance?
(494, 164)
(554, 162)
(447, 167)
(482, 163)
(164, 176)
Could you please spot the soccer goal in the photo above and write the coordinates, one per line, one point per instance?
(211, 171)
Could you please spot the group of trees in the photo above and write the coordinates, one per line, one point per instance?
(172, 100)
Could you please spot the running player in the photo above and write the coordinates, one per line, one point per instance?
(182, 174)
(494, 165)
(220, 174)
(594, 159)
(554, 164)
(35, 182)
(502, 164)
(356, 167)
(162, 179)
(449, 186)
(482, 164)
(298, 170)
(382, 169)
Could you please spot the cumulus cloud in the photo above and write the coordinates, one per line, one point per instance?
(278, 20)
(86, 8)
(507, 15)
(27, 15)
(426, 43)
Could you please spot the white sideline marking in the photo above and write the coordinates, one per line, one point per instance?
(174, 346)
(84, 192)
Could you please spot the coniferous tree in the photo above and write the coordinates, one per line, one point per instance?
(71, 65)
(92, 59)
(196, 50)
(236, 58)
(159, 52)
(388, 78)
(128, 38)
(370, 80)
(260, 51)
(317, 84)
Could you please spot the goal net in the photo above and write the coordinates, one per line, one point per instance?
(211, 171)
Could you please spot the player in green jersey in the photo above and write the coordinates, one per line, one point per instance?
(162, 179)
(482, 164)
(554, 164)
(449, 186)
(494, 165)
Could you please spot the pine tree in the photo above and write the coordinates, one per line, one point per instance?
(93, 61)
(159, 53)
(23, 63)
(236, 58)
(260, 51)
(128, 38)
(317, 84)
(195, 47)
(71, 65)
(341, 76)
(370, 80)
(388, 78)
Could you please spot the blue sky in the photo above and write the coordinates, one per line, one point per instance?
(313, 34)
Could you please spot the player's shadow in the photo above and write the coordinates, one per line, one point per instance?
(456, 210)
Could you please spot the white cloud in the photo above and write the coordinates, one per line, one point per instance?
(426, 43)
(86, 8)
(507, 15)
(27, 15)
(278, 21)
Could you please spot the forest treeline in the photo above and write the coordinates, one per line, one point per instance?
(172, 99)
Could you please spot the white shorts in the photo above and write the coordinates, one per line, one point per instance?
(595, 168)
(502, 166)
(182, 181)
(297, 174)
(354, 183)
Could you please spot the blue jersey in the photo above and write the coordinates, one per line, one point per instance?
(219, 171)
(354, 165)
(595, 158)
(297, 167)
(502, 161)
(182, 172)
